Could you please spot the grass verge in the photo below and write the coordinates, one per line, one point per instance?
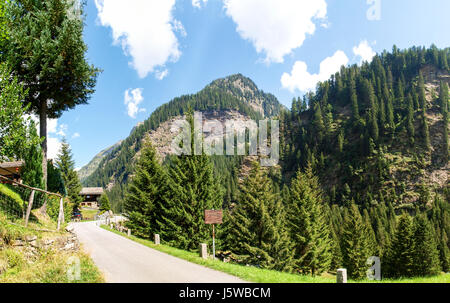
(257, 275)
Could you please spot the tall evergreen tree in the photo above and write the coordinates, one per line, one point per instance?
(258, 232)
(32, 170)
(104, 203)
(308, 225)
(46, 43)
(443, 97)
(143, 199)
(426, 255)
(192, 189)
(410, 119)
(400, 257)
(355, 244)
(66, 165)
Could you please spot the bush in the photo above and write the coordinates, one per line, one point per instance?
(10, 202)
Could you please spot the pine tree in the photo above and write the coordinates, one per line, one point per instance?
(258, 232)
(32, 171)
(308, 225)
(444, 252)
(143, 199)
(400, 257)
(66, 165)
(192, 188)
(47, 37)
(104, 203)
(354, 100)
(443, 97)
(426, 255)
(55, 182)
(421, 88)
(410, 119)
(355, 244)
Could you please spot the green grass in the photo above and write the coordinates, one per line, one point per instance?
(257, 275)
(48, 266)
(88, 214)
(7, 196)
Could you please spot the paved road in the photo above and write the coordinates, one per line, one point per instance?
(125, 261)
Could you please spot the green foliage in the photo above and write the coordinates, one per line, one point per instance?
(46, 43)
(17, 135)
(66, 166)
(144, 196)
(191, 190)
(55, 182)
(104, 203)
(426, 255)
(400, 257)
(257, 233)
(10, 202)
(308, 225)
(32, 171)
(355, 244)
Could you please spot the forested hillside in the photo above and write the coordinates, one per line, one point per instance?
(235, 93)
(364, 172)
(376, 133)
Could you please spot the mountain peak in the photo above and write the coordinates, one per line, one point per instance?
(246, 90)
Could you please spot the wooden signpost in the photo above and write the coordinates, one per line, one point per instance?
(213, 217)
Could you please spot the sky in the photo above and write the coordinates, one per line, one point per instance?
(151, 51)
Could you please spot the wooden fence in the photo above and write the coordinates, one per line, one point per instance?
(31, 200)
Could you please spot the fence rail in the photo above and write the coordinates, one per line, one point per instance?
(31, 199)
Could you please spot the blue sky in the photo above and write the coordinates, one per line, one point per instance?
(153, 51)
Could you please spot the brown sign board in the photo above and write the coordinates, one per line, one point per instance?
(213, 216)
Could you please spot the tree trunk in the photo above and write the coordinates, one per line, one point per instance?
(43, 134)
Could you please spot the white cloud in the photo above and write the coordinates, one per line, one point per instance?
(199, 3)
(132, 99)
(75, 135)
(300, 79)
(364, 51)
(53, 147)
(276, 27)
(145, 29)
(53, 131)
(161, 74)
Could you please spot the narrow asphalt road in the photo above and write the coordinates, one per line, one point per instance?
(125, 261)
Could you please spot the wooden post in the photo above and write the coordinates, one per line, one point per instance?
(157, 240)
(341, 276)
(129, 232)
(30, 205)
(61, 213)
(214, 243)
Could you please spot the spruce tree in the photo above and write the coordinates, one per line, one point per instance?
(444, 252)
(32, 170)
(410, 119)
(104, 203)
(443, 97)
(308, 225)
(258, 233)
(355, 244)
(47, 53)
(426, 255)
(142, 205)
(66, 165)
(400, 257)
(192, 189)
(55, 182)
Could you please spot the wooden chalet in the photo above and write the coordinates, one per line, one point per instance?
(91, 195)
(11, 170)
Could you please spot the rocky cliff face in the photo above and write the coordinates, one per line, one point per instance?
(237, 86)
